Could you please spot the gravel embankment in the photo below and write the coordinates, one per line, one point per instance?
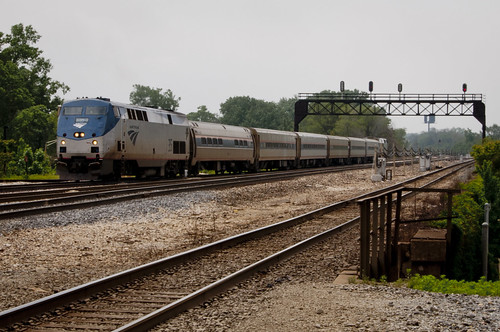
(50, 253)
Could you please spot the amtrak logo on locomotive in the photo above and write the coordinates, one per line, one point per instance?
(80, 122)
(133, 135)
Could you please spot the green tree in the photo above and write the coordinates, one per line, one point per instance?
(36, 125)
(41, 163)
(398, 137)
(455, 140)
(285, 109)
(154, 97)
(22, 160)
(250, 112)
(488, 151)
(203, 115)
(468, 208)
(493, 132)
(7, 154)
(24, 74)
(321, 122)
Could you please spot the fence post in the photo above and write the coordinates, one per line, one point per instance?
(382, 253)
(374, 235)
(395, 239)
(388, 238)
(484, 239)
(365, 238)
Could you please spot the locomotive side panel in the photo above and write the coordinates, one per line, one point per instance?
(155, 142)
(151, 142)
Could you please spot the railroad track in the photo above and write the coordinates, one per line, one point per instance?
(35, 200)
(142, 297)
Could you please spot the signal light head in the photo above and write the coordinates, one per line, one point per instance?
(464, 87)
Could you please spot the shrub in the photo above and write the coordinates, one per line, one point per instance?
(443, 285)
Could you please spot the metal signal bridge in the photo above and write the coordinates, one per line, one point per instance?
(390, 105)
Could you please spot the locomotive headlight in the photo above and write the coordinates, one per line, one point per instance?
(94, 142)
(63, 142)
(76, 135)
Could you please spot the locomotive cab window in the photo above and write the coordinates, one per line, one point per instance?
(70, 110)
(95, 110)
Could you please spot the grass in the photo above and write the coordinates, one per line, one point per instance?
(443, 285)
(31, 177)
(447, 286)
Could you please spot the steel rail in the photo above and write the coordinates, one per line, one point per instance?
(48, 184)
(103, 197)
(46, 304)
(12, 196)
(34, 195)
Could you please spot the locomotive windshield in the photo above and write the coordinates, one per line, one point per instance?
(96, 110)
(72, 110)
(89, 110)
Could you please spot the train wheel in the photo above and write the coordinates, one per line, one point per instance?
(195, 170)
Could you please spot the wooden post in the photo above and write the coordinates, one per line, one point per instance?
(375, 239)
(393, 160)
(448, 219)
(382, 252)
(396, 229)
(388, 229)
(365, 238)
(448, 233)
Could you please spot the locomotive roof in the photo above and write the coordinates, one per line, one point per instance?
(114, 103)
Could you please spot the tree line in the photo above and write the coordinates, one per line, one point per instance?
(29, 101)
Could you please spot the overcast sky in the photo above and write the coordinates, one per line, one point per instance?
(208, 51)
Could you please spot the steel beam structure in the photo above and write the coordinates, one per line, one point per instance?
(390, 105)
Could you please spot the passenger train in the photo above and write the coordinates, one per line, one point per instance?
(98, 138)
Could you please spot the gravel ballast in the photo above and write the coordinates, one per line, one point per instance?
(46, 254)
